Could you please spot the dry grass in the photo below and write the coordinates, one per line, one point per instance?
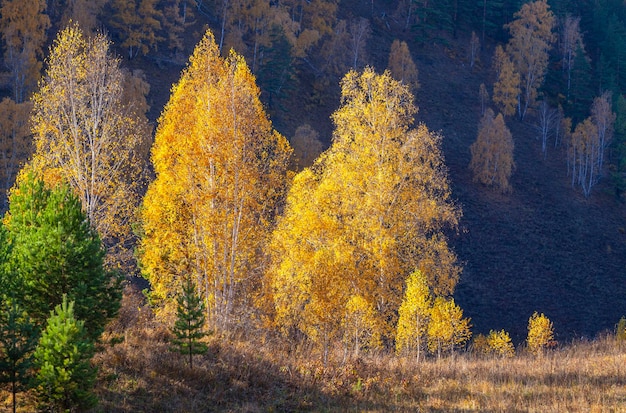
(264, 374)
(240, 376)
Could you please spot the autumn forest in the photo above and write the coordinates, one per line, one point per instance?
(253, 205)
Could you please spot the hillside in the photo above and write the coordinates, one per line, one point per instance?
(544, 247)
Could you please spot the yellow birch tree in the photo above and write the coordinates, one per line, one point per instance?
(530, 43)
(220, 177)
(402, 66)
(492, 153)
(540, 333)
(447, 327)
(506, 89)
(367, 213)
(87, 136)
(414, 314)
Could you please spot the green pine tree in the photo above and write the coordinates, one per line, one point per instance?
(54, 252)
(65, 376)
(18, 338)
(189, 323)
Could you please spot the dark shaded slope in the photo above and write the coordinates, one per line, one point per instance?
(543, 247)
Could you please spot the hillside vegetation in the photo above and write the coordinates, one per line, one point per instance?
(312, 205)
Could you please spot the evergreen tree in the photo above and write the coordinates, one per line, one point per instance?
(190, 319)
(18, 338)
(276, 73)
(55, 252)
(582, 87)
(65, 376)
(619, 168)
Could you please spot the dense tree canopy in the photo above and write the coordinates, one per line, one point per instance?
(220, 175)
(55, 252)
(368, 212)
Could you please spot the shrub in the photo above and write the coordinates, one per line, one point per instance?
(540, 333)
(620, 329)
(499, 342)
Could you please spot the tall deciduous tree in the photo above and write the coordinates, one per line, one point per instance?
(220, 178)
(506, 89)
(530, 43)
(603, 117)
(474, 49)
(54, 253)
(138, 23)
(589, 142)
(402, 66)
(24, 34)
(571, 41)
(87, 136)
(359, 33)
(548, 121)
(582, 152)
(492, 153)
(368, 212)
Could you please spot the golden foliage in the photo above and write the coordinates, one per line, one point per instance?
(447, 327)
(23, 29)
(402, 66)
(86, 133)
(359, 325)
(220, 178)
(499, 343)
(540, 333)
(492, 153)
(366, 214)
(414, 314)
(506, 89)
(531, 40)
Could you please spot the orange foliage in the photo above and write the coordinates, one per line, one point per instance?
(220, 176)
